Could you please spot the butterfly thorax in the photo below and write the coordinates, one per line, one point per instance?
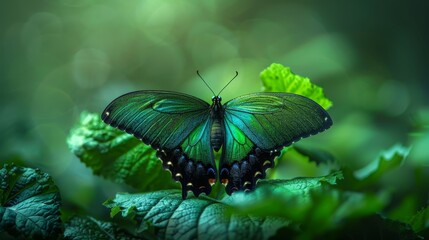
(216, 135)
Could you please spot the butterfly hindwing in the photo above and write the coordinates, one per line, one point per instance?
(269, 121)
(177, 126)
(200, 173)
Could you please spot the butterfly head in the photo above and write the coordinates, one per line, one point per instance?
(216, 99)
(216, 103)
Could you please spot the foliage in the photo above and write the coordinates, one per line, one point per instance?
(278, 78)
(344, 204)
(89, 228)
(116, 155)
(29, 203)
(368, 175)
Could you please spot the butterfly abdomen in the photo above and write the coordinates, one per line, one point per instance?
(216, 134)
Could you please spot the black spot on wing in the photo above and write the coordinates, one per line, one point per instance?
(243, 175)
(193, 176)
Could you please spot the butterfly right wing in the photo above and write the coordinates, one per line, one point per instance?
(257, 127)
(177, 126)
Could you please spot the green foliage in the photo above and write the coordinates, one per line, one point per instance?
(29, 204)
(116, 155)
(278, 78)
(368, 175)
(317, 155)
(371, 227)
(420, 221)
(193, 218)
(313, 204)
(86, 228)
(345, 204)
(255, 215)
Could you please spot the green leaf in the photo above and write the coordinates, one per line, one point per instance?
(117, 155)
(316, 155)
(371, 227)
(193, 218)
(278, 78)
(312, 203)
(369, 174)
(288, 199)
(420, 221)
(207, 218)
(29, 204)
(89, 228)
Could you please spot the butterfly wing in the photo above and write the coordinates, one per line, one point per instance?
(257, 127)
(177, 126)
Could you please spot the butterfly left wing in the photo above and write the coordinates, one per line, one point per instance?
(177, 126)
(257, 126)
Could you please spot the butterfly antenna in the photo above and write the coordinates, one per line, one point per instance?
(198, 73)
(236, 74)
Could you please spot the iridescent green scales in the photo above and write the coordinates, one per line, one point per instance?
(251, 130)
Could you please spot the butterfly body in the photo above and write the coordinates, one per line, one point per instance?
(249, 130)
(216, 134)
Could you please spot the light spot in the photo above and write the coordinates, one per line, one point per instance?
(266, 163)
(212, 181)
(189, 184)
(170, 163)
(257, 173)
(107, 113)
(178, 175)
(91, 68)
(224, 181)
(247, 183)
(326, 119)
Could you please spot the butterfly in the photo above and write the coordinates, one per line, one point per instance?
(250, 131)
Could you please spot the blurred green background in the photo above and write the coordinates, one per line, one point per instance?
(60, 57)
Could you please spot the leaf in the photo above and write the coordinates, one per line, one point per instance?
(29, 204)
(288, 199)
(193, 218)
(207, 218)
(369, 174)
(89, 228)
(420, 221)
(316, 155)
(312, 203)
(371, 227)
(117, 155)
(278, 78)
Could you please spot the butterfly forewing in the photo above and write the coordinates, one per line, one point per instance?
(177, 126)
(270, 121)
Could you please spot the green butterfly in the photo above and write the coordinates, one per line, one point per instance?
(251, 130)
